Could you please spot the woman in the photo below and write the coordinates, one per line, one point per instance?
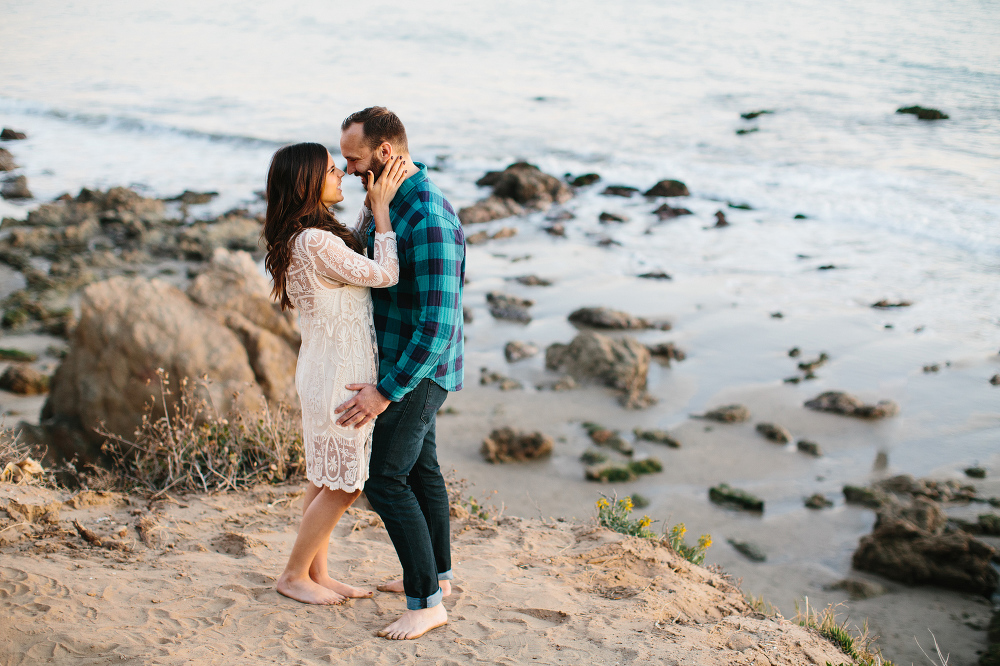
(318, 267)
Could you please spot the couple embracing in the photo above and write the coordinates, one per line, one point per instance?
(380, 310)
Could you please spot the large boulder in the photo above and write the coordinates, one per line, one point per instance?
(7, 160)
(668, 188)
(234, 232)
(910, 545)
(519, 187)
(622, 364)
(15, 187)
(129, 328)
(608, 319)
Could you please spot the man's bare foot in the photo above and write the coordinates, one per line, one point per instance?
(343, 589)
(416, 623)
(397, 587)
(307, 591)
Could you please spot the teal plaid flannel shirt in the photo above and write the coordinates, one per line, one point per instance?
(418, 322)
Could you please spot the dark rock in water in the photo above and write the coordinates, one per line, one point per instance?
(559, 215)
(827, 267)
(619, 191)
(995, 380)
(839, 402)
(800, 216)
(774, 432)
(477, 238)
(777, 315)
(922, 113)
(506, 383)
(193, 198)
(750, 130)
(607, 318)
(859, 589)
(818, 501)
(933, 367)
(939, 491)
(585, 179)
(794, 352)
(728, 414)
(489, 179)
(605, 217)
(530, 186)
(516, 351)
(557, 229)
(911, 546)
(489, 209)
(621, 364)
(720, 220)
(655, 275)
(22, 379)
(509, 445)
(17, 355)
(7, 134)
(646, 466)
(668, 212)
(608, 438)
(809, 448)
(740, 206)
(666, 352)
(467, 315)
(533, 281)
(750, 115)
(6, 160)
(975, 472)
(610, 474)
(864, 496)
(593, 457)
(740, 499)
(751, 551)
(987, 524)
(809, 366)
(567, 383)
(607, 241)
(658, 436)
(668, 188)
(885, 304)
(510, 308)
(15, 187)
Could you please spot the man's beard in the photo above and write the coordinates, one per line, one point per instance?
(376, 166)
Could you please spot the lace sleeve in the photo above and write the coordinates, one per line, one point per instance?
(332, 259)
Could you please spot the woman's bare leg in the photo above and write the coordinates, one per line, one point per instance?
(323, 510)
(319, 574)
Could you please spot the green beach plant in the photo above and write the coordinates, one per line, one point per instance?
(857, 643)
(615, 514)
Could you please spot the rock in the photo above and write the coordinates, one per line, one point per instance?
(506, 383)
(38, 506)
(510, 308)
(658, 436)
(619, 191)
(857, 588)
(585, 179)
(720, 220)
(482, 236)
(750, 115)
(922, 113)
(516, 351)
(505, 232)
(800, 216)
(975, 472)
(529, 186)
(809, 448)
(610, 474)
(728, 414)
(6, 160)
(910, 546)
(128, 328)
(22, 379)
(557, 229)
(827, 267)
(271, 358)
(667, 212)
(751, 551)
(750, 130)
(477, 238)
(809, 366)
(863, 496)
(17, 355)
(15, 187)
(509, 445)
(606, 217)
(885, 304)
(794, 352)
(655, 275)
(951, 490)
(489, 209)
(666, 352)
(606, 437)
(777, 315)
(567, 383)
(739, 641)
(559, 215)
(467, 315)
(193, 198)
(668, 188)
(233, 232)
(7, 134)
(839, 402)
(593, 457)
(645, 466)
(724, 495)
(774, 432)
(621, 364)
(995, 380)
(818, 501)
(606, 318)
(533, 281)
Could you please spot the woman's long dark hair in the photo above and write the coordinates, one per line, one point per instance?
(294, 186)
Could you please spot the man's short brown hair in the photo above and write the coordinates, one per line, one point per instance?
(379, 124)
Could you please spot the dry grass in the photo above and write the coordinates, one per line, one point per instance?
(858, 643)
(192, 447)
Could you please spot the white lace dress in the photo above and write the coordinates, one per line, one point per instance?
(328, 284)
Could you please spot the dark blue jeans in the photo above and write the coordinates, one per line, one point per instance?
(407, 490)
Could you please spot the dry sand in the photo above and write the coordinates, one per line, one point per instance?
(191, 580)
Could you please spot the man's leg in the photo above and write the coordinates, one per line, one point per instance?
(397, 445)
(432, 495)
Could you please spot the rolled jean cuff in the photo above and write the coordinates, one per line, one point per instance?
(447, 575)
(416, 603)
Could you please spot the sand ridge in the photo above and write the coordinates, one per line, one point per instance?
(191, 579)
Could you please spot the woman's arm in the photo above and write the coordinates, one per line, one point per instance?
(336, 262)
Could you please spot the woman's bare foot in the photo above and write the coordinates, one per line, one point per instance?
(308, 592)
(343, 589)
(416, 623)
(397, 587)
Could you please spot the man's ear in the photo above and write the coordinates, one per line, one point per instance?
(385, 151)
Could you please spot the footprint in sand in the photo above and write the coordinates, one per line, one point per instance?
(553, 616)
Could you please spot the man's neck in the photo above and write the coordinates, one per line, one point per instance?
(411, 168)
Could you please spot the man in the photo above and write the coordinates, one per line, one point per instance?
(418, 324)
